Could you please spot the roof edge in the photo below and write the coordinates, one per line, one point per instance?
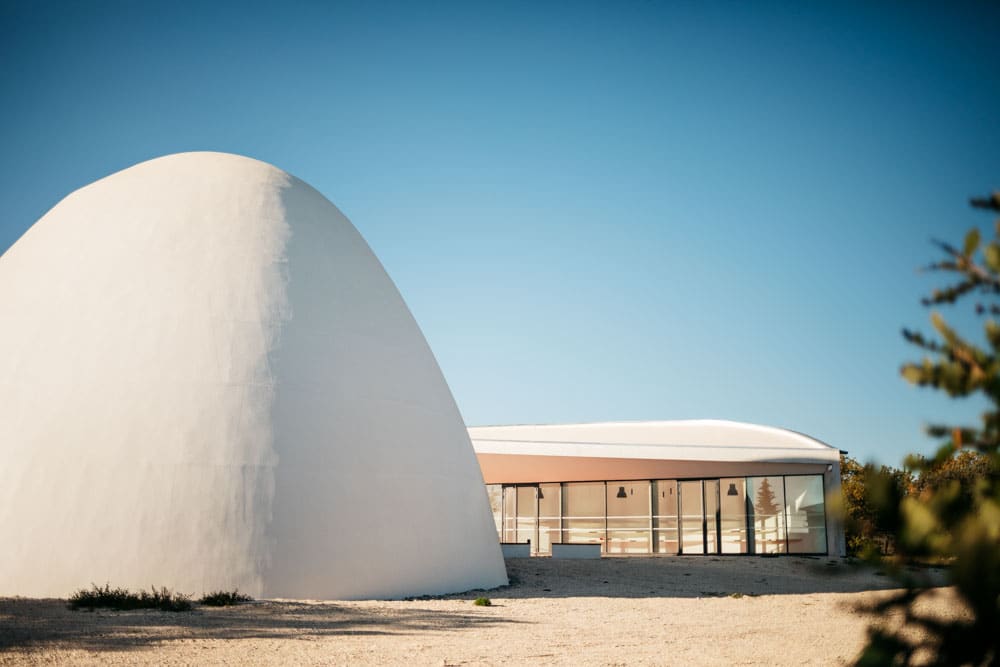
(718, 423)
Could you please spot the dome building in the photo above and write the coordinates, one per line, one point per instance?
(207, 382)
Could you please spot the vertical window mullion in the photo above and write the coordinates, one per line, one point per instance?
(784, 510)
(704, 520)
(649, 510)
(605, 541)
(562, 513)
(538, 509)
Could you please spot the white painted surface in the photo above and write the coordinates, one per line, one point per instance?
(576, 551)
(208, 381)
(685, 440)
(516, 550)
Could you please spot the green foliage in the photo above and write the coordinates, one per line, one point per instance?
(483, 602)
(964, 469)
(867, 491)
(122, 599)
(224, 598)
(952, 511)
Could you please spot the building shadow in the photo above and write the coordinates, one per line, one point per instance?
(30, 624)
(39, 625)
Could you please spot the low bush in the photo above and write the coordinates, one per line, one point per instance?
(483, 602)
(122, 599)
(224, 598)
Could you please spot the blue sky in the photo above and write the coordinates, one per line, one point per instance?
(596, 211)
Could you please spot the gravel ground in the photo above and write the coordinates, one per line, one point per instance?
(613, 611)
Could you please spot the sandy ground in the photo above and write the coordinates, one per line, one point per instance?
(613, 611)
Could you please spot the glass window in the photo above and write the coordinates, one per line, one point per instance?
(495, 493)
(548, 516)
(583, 512)
(692, 517)
(628, 517)
(664, 494)
(510, 514)
(806, 513)
(766, 497)
(733, 515)
(526, 512)
(712, 516)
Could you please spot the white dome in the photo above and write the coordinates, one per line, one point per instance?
(208, 381)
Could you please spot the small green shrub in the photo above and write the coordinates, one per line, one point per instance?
(224, 598)
(483, 602)
(122, 599)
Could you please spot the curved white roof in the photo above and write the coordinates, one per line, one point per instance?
(208, 381)
(683, 440)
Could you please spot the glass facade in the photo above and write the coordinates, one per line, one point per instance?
(584, 515)
(664, 511)
(692, 517)
(805, 514)
(628, 517)
(766, 498)
(775, 514)
(733, 515)
(549, 516)
(495, 493)
(509, 514)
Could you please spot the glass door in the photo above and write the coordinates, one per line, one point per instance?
(665, 516)
(712, 516)
(699, 501)
(692, 517)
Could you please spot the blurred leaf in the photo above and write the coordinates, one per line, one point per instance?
(971, 242)
(912, 373)
(991, 254)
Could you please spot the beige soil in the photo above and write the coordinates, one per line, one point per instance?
(613, 611)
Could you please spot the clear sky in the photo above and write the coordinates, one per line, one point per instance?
(596, 211)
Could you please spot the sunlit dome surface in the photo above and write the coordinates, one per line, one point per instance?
(208, 382)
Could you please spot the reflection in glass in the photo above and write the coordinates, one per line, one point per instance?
(766, 496)
(495, 493)
(583, 512)
(692, 518)
(509, 514)
(733, 515)
(548, 516)
(526, 513)
(664, 496)
(806, 514)
(711, 516)
(628, 517)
